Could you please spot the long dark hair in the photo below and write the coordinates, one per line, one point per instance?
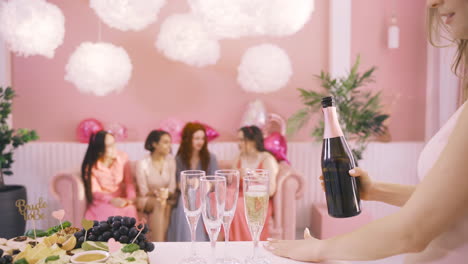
(437, 29)
(253, 133)
(186, 146)
(154, 136)
(96, 149)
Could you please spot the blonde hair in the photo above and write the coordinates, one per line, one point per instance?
(436, 27)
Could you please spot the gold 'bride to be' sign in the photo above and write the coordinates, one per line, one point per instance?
(31, 211)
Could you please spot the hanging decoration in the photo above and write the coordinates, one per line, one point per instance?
(32, 27)
(230, 18)
(238, 18)
(393, 33)
(99, 68)
(183, 38)
(126, 14)
(285, 17)
(264, 68)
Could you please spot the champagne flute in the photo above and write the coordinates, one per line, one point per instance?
(232, 193)
(256, 197)
(190, 189)
(213, 197)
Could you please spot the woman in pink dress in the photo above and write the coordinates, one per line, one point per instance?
(432, 224)
(252, 156)
(107, 179)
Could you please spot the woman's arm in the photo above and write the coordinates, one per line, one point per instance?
(213, 166)
(235, 163)
(391, 193)
(130, 189)
(272, 166)
(142, 184)
(394, 194)
(436, 204)
(172, 175)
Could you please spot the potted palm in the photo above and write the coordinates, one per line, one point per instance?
(360, 111)
(11, 223)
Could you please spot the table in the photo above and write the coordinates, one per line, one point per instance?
(173, 252)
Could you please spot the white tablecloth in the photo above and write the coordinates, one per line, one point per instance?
(173, 252)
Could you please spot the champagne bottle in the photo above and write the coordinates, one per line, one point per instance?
(341, 189)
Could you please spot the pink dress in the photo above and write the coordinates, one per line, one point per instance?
(111, 182)
(450, 247)
(239, 228)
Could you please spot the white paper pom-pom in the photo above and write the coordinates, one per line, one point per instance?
(286, 17)
(182, 37)
(264, 68)
(99, 68)
(32, 27)
(127, 14)
(230, 18)
(238, 18)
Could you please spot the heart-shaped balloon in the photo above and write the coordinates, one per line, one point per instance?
(172, 126)
(119, 131)
(113, 245)
(87, 224)
(211, 133)
(276, 144)
(59, 214)
(86, 128)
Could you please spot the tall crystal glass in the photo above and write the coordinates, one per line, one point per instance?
(232, 193)
(256, 197)
(191, 194)
(213, 198)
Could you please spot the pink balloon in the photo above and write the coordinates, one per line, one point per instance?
(211, 133)
(86, 128)
(276, 144)
(174, 127)
(119, 131)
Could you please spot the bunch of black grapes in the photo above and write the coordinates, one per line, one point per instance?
(120, 228)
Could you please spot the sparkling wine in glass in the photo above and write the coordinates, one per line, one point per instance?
(191, 198)
(232, 193)
(256, 196)
(213, 197)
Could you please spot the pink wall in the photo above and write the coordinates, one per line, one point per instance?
(401, 73)
(160, 88)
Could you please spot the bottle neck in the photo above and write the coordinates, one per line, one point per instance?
(332, 126)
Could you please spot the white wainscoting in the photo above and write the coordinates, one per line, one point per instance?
(36, 163)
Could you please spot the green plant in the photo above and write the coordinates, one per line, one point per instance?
(10, 139)
(360, 112)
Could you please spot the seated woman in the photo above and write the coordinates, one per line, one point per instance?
(107, 179)
(193, 154)
(155, 176)
(253, 155)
